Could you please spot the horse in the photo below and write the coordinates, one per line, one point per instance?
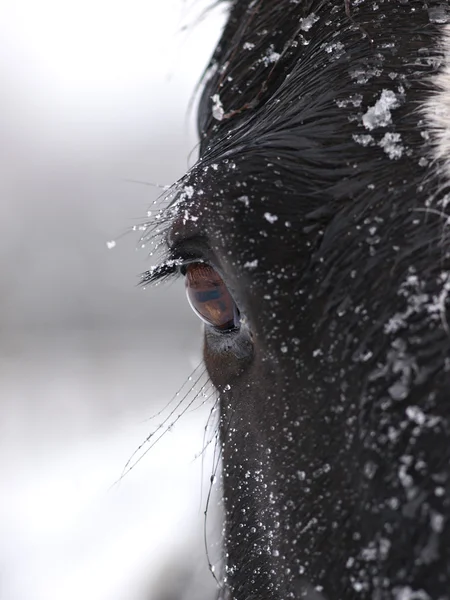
(312, 237)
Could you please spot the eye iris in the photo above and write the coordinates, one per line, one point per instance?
(209, 296)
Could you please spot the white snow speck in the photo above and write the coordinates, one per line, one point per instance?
(248, 46)
(110, 245)
(251, 264)
(189, 217)
(407, 593)
(415, 414)
(308, 22)
(358, 586)
(398, 390)
(189, 191)
(271, 57)
(335, 48)
(217, 109)
(245, 200)
(364, 75)
(391, 144)
(379, 115)
(355, 100)
(363, 139)
(271, 218)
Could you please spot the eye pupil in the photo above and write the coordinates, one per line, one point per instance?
(209, 297)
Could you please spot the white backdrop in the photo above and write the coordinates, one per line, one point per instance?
(94, 94)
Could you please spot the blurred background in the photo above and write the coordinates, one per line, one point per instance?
(94, 98)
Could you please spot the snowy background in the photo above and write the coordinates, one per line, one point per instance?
(95, 93)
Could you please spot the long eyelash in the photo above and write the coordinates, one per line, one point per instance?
(172, 267)
(167, 269)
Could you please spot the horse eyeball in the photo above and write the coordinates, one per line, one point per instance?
(209, 297)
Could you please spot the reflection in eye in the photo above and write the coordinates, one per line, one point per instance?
(210, 298)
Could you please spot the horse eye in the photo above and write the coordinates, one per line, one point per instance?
(210, 298)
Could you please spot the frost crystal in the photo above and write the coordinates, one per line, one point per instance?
(217, 109)
(407, 593)
(391, 144)
(335, 48)
(270, 218)
(416, 415)
(251, 264)
(271, 57)
(362, 139)
(363, 75)
(245, 200)
(355, 100)
(189, 191)
(379, 115)
(308, 22)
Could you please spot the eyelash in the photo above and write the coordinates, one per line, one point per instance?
(169, 269)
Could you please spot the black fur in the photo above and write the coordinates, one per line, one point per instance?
(335, 398)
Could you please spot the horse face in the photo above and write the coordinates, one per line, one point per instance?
(312, 238)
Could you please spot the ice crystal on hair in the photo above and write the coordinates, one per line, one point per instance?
(363, 139)
(245, 200)
(217, 108)
(355, 100)
(337, 49)
(251, 264)
(271, 218)
(391, 144)
(188, 190)
(271, 56)
(308, 22)
(407, 593)
(379, 115)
